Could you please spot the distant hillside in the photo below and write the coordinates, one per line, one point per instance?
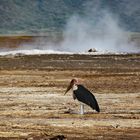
(33, 16)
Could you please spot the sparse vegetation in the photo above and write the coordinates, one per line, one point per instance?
(33, 105)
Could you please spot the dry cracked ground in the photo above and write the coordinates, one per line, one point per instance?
(33, 105)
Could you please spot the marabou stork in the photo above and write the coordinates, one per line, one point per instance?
(83, 95)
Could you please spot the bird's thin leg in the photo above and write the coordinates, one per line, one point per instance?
(81, 109)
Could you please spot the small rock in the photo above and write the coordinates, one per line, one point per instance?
(68, 111)
(59, 137)
(92, 50)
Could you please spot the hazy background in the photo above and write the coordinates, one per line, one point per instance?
(32, 16)
(73, 25)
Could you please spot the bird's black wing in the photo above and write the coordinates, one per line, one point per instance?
(84, 95)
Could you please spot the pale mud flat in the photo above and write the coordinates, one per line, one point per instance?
(33, 105)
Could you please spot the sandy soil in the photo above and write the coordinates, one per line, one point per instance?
(33, 105)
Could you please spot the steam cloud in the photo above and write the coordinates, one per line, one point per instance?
(96, 29)
(100, 31)
(104, 34)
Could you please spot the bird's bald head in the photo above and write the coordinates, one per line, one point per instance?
(72, 83)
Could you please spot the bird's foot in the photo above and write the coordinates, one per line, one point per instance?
(81, 113)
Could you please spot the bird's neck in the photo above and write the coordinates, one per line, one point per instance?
(75, 87)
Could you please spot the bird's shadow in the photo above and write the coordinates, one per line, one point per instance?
(70, 111)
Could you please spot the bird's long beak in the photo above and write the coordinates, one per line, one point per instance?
(68, 88)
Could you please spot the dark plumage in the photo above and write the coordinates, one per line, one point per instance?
(84, 95)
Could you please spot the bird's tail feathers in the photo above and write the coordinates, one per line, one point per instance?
(95, 106)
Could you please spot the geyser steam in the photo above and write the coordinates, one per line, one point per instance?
(99, 30)
(103, 34)
(96, 28)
